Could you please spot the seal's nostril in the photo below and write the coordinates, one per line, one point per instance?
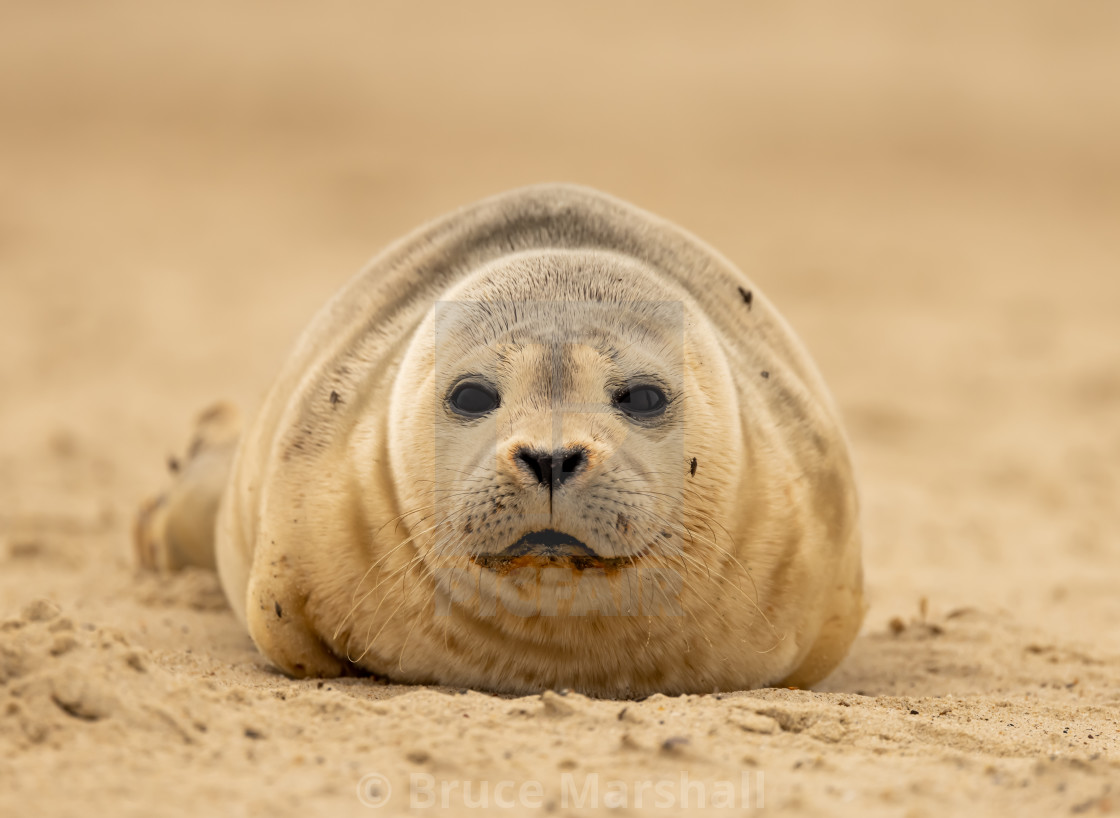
(573, 462)
(539, 466)
(553, 470)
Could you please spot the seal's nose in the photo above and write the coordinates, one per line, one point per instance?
(553, 469)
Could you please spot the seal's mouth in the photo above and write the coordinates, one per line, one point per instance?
(548, 547)
(548, 543)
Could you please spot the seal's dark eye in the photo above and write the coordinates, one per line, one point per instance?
(644, 401)
(473, 399)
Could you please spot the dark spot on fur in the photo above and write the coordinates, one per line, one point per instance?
(279, 610)
(622, 524)
(692, 467)
(765, 374)
(253, 734)
(792, 401)
(748, 297)
(173, 465)
(335, 398)
(468, 528)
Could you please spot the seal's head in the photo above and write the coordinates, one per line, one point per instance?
(557, 389)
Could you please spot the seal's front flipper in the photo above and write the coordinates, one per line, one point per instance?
(176, 529)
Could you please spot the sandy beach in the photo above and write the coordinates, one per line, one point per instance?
(929, 192)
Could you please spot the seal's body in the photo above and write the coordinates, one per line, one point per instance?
(547, 441)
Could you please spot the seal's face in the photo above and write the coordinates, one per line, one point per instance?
(550, 439)
(558, 427)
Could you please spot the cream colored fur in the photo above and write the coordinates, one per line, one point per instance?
(357, 499)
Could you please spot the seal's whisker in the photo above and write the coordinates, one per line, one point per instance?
(694, 538)
(399, 574)
(403, 574)
(358, 602)
(355, 602)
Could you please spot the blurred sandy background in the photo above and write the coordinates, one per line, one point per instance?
(930, 191)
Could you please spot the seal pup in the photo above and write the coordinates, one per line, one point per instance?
(549, 440)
